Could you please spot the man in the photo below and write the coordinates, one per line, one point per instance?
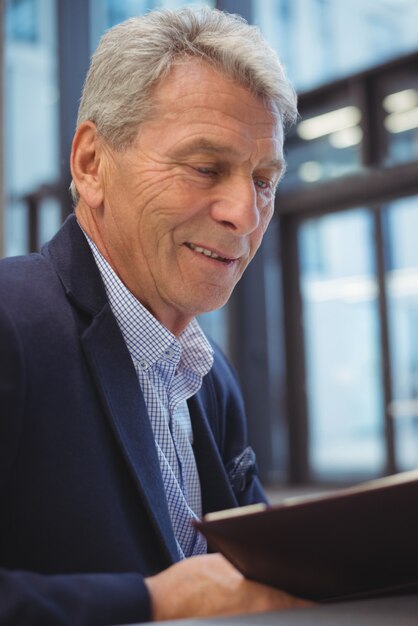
(120, 423)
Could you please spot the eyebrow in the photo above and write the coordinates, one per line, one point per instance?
(201, 144)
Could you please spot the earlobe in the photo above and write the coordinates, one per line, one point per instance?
(85, 164)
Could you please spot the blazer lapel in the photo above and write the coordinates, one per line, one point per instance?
(114, 374)
(122, 398)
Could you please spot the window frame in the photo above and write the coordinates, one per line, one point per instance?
(373, 186)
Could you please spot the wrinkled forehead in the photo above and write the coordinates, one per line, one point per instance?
(189, 74)
(197, 106)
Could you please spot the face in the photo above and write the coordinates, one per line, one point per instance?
(186, 206)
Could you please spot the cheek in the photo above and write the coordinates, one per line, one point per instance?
(140, 180)
(166, 193)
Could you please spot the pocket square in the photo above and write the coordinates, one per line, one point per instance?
(241, 469)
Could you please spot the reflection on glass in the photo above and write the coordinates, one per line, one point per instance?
(402, 290)
(400, 107)
(325, 144)
(341, 332)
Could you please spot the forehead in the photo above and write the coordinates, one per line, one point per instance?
(197, 96)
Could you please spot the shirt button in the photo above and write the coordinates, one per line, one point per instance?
(143, 365)
(169, 352)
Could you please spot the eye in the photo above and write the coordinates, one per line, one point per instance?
(263, 184)
(207, 171)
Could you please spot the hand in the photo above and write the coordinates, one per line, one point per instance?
(209, 585)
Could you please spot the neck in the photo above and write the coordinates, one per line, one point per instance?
(167, 316)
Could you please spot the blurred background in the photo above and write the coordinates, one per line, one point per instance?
(323, 328)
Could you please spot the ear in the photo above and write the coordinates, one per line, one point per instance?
(85, 164)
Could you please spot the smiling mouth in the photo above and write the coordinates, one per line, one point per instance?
(209, 253)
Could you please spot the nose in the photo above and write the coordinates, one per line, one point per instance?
(235, 205)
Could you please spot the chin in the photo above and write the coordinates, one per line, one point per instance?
(203, 301)
(209, 306)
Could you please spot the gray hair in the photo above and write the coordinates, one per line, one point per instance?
(133, 56)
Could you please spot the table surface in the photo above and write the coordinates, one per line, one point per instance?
(390, 611)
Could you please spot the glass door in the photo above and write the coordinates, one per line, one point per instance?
(344, 391)
(401, 219)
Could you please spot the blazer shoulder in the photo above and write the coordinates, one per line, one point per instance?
(27, 281)
(19, 266)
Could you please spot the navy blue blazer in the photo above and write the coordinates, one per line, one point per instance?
(84, 516)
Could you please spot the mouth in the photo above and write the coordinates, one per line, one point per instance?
(209, 253)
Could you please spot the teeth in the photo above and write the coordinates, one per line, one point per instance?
(205, 252)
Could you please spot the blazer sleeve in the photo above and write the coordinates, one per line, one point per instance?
(28, 598)
(12, 374)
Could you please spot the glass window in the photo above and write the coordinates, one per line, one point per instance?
(400, 118)
(21, 21)
(325, 144)
(215, 325)
(31, 110)
(49, 218)
(275, 349)
(402, 293)
(341, 333)
(321, 40)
